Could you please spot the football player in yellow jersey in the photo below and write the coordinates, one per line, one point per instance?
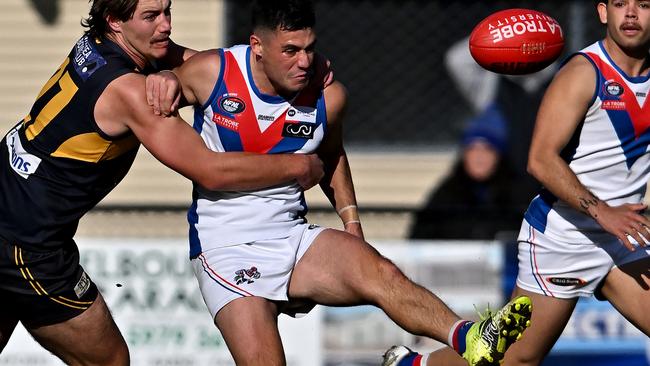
(75, 145)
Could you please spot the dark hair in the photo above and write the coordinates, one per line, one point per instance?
(287, 15)
(101, 9)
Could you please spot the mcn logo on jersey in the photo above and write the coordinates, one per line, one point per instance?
(232, 105)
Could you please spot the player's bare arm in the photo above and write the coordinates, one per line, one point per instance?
(163, 90)
(337, 183)
(171, 140)
(198, 77)
(563, 107)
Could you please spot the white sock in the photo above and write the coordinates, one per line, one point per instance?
(452, 331)
(423, 360)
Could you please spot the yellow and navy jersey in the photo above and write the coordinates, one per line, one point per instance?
(56, 164)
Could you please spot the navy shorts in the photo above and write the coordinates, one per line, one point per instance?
(43, 288)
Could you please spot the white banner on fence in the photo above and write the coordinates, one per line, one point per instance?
(153, 295)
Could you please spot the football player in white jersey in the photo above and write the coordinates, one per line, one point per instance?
(602, 243)
(257, 257)
(611, 261)
(585, 233)
(87, 124)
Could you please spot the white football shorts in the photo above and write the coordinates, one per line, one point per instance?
(261, 268)
(563, 270)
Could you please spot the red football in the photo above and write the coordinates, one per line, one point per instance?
(516, 41)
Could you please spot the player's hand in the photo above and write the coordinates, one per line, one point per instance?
(163, 92)
(625, 221)
(312, 173)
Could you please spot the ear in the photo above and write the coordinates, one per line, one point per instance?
(256, 45)
(602, 12)
(115, 25)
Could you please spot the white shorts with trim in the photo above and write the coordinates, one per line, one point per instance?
(261, 268)
(564, 270)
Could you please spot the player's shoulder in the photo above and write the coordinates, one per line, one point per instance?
(335, 93)
(577, 73)
(206, 55)
(336, 96)
(575, 81)
(201, 63)
(578, 66)
(125, 90)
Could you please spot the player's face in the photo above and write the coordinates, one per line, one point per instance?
(288, 57)
(147, 33)
(628, 23)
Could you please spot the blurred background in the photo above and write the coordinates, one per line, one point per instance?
(437, 148)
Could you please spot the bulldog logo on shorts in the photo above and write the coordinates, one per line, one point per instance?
(247, 275)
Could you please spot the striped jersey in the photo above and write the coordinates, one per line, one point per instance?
(608, 152)
(238, 117)
(56, 164)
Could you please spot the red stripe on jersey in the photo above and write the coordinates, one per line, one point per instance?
(253, 140)
(635, 111)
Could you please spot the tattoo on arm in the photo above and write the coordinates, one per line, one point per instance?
(586, 202)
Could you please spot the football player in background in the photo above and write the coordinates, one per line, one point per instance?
(585, 233)
(253, 252)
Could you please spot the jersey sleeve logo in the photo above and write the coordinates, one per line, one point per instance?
(86, 58)
(20, 160)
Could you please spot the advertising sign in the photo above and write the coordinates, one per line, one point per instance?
(153, 295)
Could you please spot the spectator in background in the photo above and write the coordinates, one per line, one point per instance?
(516, 97)
(477, 199)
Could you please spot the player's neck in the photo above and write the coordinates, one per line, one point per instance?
(260, 78)
(139, 59)
(634, 62)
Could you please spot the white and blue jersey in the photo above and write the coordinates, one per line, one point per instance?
(238, 117)
(608, 152)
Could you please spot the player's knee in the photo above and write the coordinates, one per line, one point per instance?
(387, 273)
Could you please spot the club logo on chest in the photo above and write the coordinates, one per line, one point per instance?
(232, 105)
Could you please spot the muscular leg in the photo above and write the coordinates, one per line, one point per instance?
(91, 338)
(250, 328)
(6, 328)
(628, 289)
(550, 316)
(340, 269)
(549, 319)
